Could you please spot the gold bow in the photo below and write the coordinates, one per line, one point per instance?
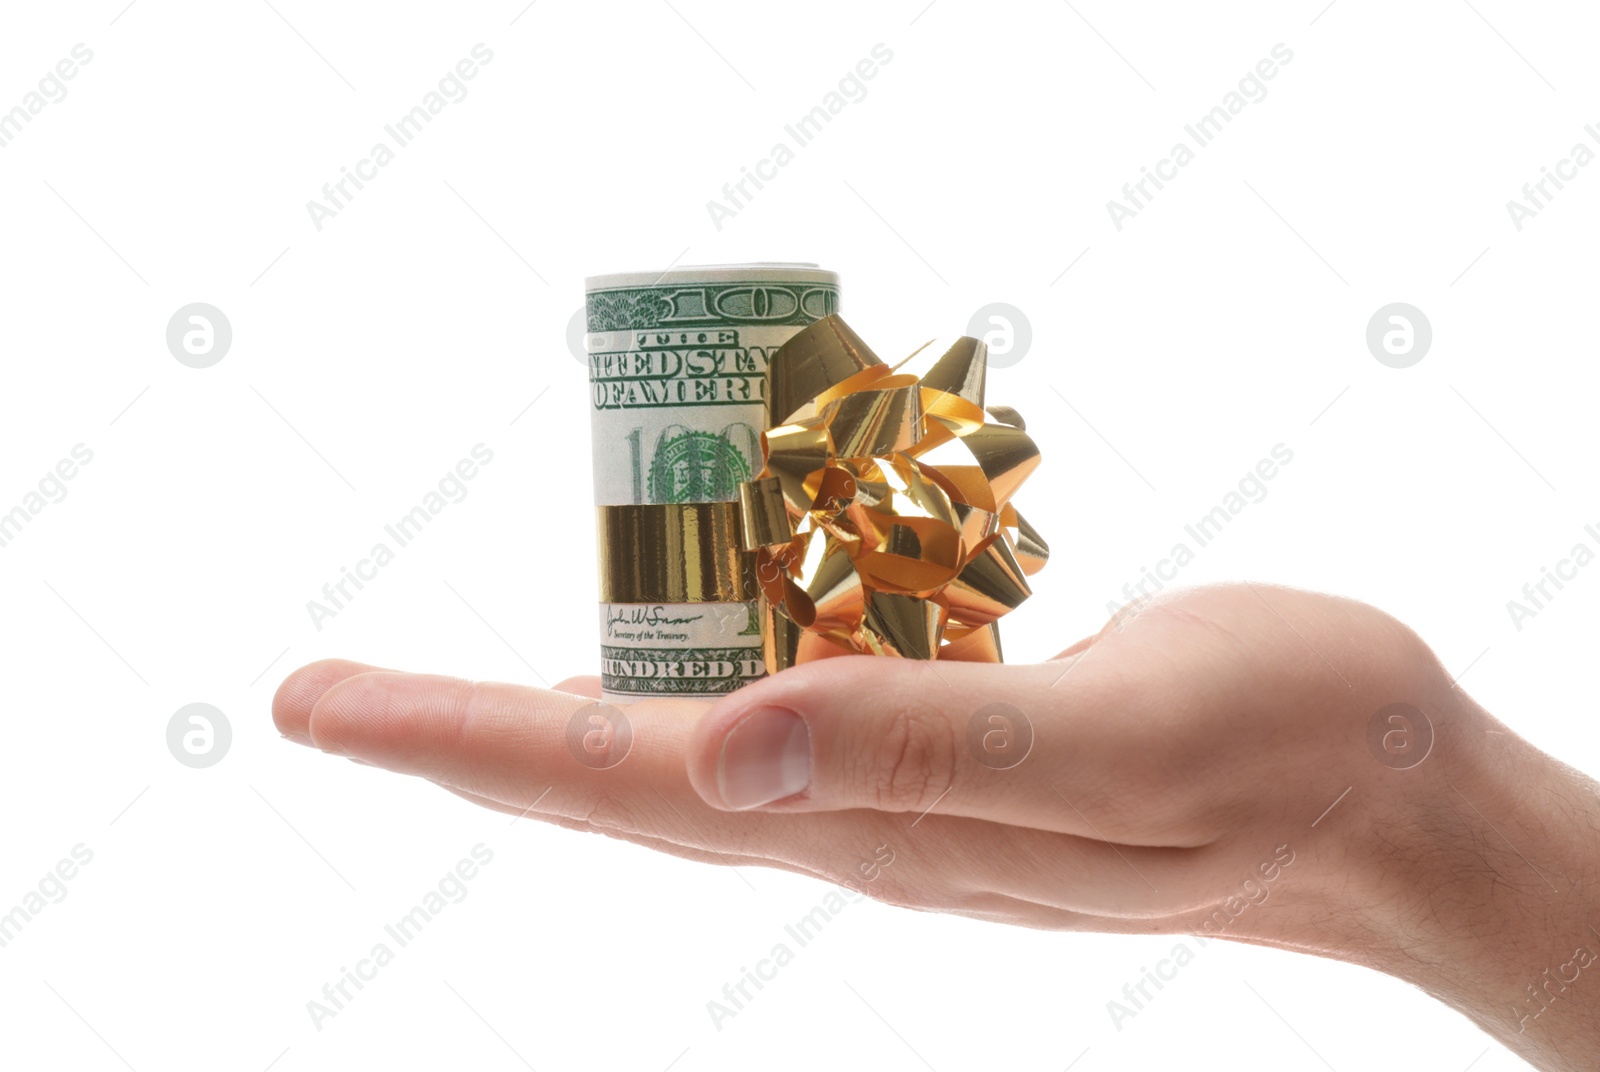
(882, 522)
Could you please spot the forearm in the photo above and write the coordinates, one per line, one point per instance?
(1495, 906)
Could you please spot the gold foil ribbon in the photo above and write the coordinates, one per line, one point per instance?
(673, 553)
(882, 522)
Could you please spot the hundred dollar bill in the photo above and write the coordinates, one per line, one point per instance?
(678, 649)
(677, 374)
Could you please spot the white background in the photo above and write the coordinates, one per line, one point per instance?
(426, 317)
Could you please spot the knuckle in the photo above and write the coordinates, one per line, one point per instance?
(472, 709)
(604, 814)
(915, 761)
(926, 892)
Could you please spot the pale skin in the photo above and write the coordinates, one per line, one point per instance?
(1178, 757)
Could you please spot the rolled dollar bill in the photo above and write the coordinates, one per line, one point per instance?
(677, 372)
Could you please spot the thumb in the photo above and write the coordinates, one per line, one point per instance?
(982, 740)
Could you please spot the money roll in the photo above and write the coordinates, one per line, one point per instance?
(677, 375)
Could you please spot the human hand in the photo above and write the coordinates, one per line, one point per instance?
(1202, 765)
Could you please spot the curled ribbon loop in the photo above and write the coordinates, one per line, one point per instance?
(882, 522)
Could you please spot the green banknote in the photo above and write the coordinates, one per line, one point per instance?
(677, 371)
(677, 375)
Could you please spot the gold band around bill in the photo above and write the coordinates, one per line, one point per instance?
(673, 553)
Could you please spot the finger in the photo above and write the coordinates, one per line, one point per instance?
(1051, 905)
(585, 685)
(292, 703)
(509, 744)
(980, 740)
(672, 848)
(476, 736)
(1077, 649)
(299, 692)
(1115, 623)
(514, 744)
